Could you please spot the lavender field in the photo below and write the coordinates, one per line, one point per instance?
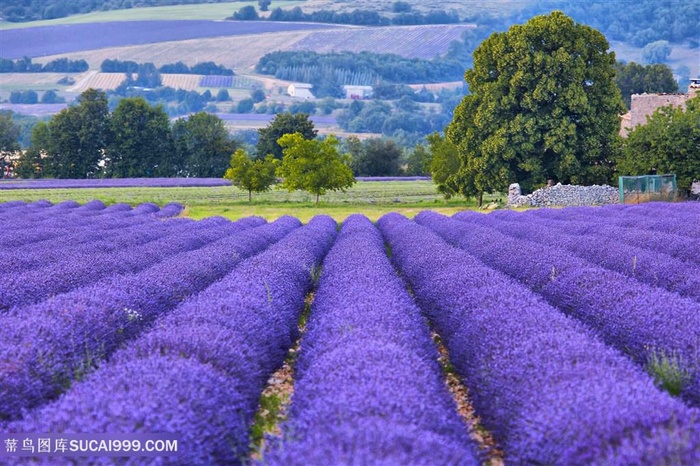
(51, 40)
(572, 334)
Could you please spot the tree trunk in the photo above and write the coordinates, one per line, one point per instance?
(481, 198)
(250, 195)
(316, 198)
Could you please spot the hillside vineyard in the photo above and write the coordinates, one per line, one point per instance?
(575, 332)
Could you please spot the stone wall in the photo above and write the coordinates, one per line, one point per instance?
(564, 195)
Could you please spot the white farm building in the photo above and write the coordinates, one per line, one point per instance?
(300, 90)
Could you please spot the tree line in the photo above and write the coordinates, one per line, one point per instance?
(386, 67)
(358, 17)
(59, 65)
(136, 139)
(203, 68)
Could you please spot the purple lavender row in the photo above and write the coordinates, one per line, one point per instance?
(368, 388)
(88, 241)
(651, 267)
(27, 229)
(543, 384)
(201, 369)
(52, 343)
(83, 268)
(115, 183)
(644, 322)
(642, 217)
(685, 249)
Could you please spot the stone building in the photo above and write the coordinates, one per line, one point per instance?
(643, 105)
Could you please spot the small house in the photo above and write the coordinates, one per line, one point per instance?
(300, 90)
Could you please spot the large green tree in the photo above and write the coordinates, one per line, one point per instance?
(78, 136)
(543, 105)
(202, 145)
(668, 143)
(313, 166)
(252, 175)
(284, 123)
(142, 140)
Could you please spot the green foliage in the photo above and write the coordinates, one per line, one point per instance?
(141, 141)
(307, 106)
(258, 95)
(349, 66)
(669, 372)
(30, 164)
(443, 165)
(76, 137)
(544, 105)
(376, 157)
(59, 65)
(264, 4)
(50, 97)
(313, 166)
(284, 123)
(202, 147)
(633, 78)
(668, 143)
(247, 13)
(9, 140)
(252, 175)
(418, 161)
(245, 106)
(24, 97)
(222, 95)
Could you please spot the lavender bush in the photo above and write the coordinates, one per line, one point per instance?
(85, 267)
(543, 384)
(368, 388)
(647, 266)
(55, 341)
(213, 355)
(639, 320)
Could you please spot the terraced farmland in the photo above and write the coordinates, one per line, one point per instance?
(566, 327)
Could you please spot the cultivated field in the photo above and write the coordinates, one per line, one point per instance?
(564, 336)
(371, 198)
(409, 41)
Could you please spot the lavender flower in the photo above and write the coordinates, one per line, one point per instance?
(368, 388)
(45, 346)
(543, 384)
(200, 371)
(639, 320)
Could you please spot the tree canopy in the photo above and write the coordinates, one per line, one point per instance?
(313, 166)
(284, 123)
(668, 143)
(633, 78)
(202, 145)
(252, 175)
(543, 105)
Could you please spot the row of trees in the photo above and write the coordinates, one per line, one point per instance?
(59, 65)
(203, 68)
(307, 164)
(135, 140)
(386, 67)
(358, 17)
